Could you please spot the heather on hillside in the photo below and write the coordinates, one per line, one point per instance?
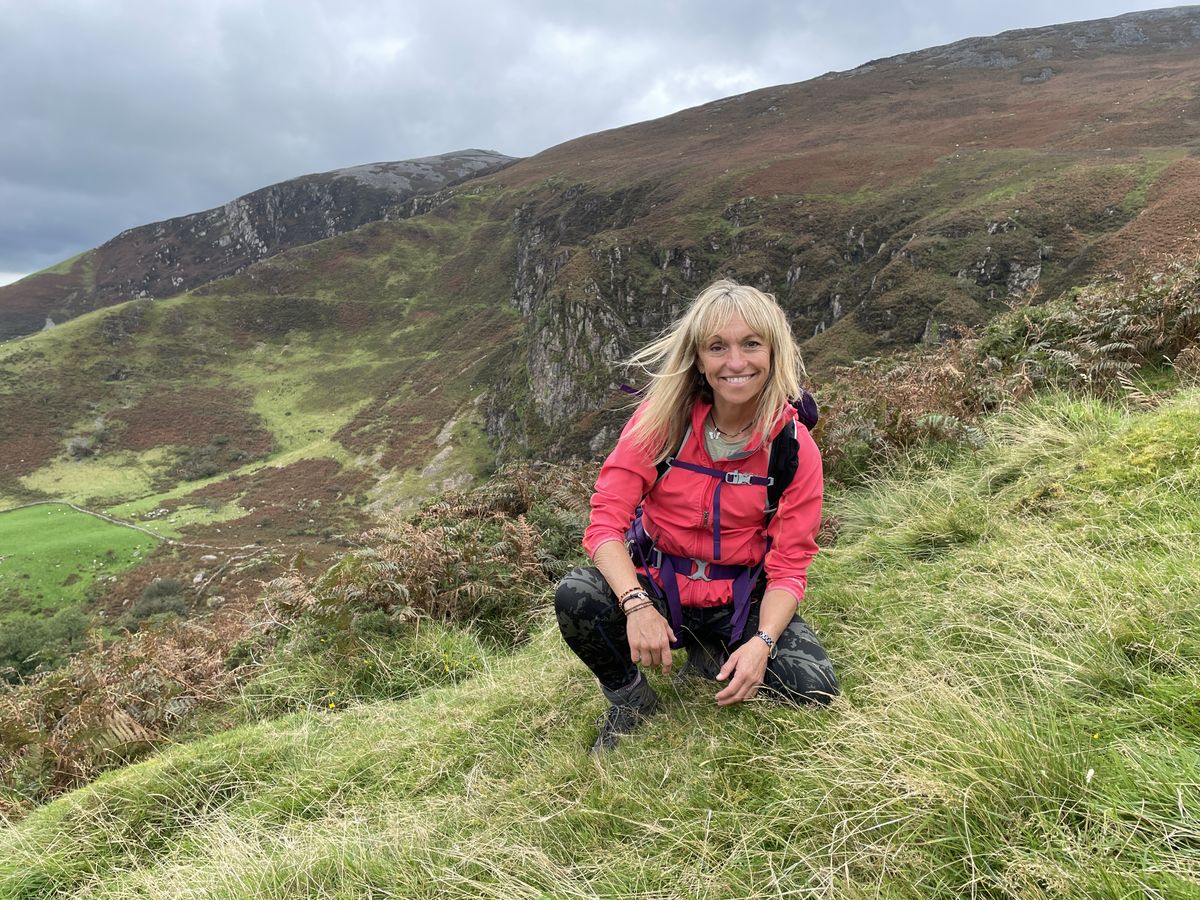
(1115, 337)
(386, 618)
(1015, 631)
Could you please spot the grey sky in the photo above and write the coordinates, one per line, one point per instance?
(120, 113)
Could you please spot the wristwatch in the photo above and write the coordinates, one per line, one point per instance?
(771, 645)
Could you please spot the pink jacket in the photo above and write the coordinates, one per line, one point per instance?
(678, 511)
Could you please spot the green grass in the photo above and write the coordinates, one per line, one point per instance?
(147, 511)
(305, 390)
(50, 554)
(1154, 161)
(102, 480)
(67, 266)
(1014, 172)
(30, 352)
(1016, 638)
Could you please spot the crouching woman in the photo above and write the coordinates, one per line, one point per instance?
(687, 553)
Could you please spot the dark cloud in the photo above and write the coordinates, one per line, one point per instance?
(130, 112)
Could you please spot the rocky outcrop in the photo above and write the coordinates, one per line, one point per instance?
(578, 323)
(1163, 28)
(176, 255)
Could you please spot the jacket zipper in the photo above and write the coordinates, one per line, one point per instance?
(704, 544)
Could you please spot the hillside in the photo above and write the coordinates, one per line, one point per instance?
(275, 412)
(884, 206)
(254, 417)
(164, 259)
(1015, 633)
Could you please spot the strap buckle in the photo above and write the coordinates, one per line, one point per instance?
(701, 573)
(738, 477)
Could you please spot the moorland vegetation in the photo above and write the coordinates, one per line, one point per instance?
(275, 413)
(1006, 588)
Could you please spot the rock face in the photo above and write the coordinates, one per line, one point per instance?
(167, 258)
(896, 203)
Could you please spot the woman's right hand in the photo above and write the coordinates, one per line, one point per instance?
(650, 639)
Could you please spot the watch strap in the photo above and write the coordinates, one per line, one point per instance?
(769, 641)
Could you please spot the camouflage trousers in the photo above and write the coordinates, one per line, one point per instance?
(594, 627)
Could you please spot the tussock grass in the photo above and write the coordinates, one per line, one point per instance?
(316, 670)
(1016, 635)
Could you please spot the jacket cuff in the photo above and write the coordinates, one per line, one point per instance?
(592, 543)
(794, 586)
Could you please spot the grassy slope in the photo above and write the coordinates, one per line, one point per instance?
(355, 353)
(303, 350)
(1017, 639)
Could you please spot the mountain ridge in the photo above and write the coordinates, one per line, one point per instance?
(1086, 35)
(168, 257)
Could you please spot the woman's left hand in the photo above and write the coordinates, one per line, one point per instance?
(748, 665)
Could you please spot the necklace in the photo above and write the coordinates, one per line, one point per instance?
(715, 433)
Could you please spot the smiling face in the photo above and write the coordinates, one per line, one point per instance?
(736, 362)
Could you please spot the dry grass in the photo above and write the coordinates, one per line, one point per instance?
(1015, 634)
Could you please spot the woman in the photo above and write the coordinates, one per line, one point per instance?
(722, 380)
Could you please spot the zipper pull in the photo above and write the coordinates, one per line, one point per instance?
(704, 521)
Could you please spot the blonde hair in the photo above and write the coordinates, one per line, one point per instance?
(671, 361)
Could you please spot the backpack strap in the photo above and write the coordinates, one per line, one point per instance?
(785, 459)
(641, 549)
(785, 450)
(665, 466)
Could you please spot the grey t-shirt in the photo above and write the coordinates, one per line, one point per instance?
(720, 448)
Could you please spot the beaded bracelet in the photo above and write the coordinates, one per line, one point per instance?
(629, 593)
(632, 594)
(634, 609)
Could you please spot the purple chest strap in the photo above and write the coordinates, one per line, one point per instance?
(723, 478)
(743, 577)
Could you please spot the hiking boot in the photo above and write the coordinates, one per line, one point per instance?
(630, 705)
(704, 660)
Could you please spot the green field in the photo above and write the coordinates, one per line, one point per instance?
(50, 554)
